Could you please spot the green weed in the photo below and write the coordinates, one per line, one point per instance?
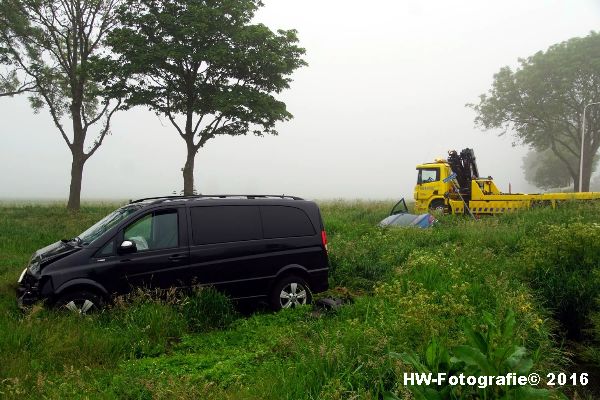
(563, 265)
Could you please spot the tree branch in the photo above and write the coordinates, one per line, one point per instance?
(23, 88)
(97, 117)
(167, 112)
(42, 91)
(564, 160)
(104, 131)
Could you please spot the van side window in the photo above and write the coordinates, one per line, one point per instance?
(220, 224)
(157, 230)
(107, 250)
(282, 221)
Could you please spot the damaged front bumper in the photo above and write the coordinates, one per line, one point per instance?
(28, 290)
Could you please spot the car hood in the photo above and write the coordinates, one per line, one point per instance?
(55, 251)
(403, 219)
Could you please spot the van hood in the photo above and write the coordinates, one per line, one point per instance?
(55, 251)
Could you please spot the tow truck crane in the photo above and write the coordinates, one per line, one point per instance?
(454, 186)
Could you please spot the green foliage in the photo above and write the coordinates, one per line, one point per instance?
(10, 82)
(562, 264)
(206, 309)
(591, 352)
(57, 54)
(542, 101)
(491, 351)
(153, 323)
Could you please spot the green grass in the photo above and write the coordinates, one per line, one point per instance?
(407, 285)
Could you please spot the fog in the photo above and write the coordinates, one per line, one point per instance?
(385, 89)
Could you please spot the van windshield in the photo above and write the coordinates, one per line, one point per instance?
(112, 219)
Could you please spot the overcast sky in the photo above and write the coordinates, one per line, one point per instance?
(385, 89)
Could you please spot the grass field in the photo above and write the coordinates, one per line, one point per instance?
(528, 280)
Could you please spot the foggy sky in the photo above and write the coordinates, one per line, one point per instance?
(385, 89)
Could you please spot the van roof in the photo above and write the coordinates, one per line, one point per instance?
(160, 199)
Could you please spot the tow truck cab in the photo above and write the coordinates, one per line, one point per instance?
(430, 188)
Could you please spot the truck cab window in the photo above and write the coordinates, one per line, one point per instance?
(427, 175)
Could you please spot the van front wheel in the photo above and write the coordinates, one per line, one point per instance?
(80, 302)
(290, 292)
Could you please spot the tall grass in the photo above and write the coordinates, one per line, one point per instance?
(408, 286)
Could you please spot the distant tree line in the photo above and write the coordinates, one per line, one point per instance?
(204, 65)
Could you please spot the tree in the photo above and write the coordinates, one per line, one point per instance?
(542, 102)
(545, 170)
(56, 44)
(205, 67)
(10, 82)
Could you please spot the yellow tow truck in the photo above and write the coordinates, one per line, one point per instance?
(454, 186)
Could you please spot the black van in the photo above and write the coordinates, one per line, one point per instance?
(259, 247)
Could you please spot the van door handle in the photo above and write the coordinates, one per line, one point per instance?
(178, 257)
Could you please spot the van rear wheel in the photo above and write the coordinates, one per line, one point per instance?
(290, 292)
(80, 302)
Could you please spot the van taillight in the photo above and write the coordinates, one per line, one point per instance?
(324, 238)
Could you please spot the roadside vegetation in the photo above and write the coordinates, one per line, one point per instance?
(527, 282)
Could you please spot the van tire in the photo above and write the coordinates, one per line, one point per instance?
(80, 302)
(289, 292)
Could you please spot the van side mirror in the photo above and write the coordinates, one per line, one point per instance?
(127, 247)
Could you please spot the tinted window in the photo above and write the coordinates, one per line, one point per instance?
(107, 250)
(282, 221)
(157, 230)
(219, 224)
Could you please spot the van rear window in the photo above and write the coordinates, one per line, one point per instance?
(220, 224)
(282, 221)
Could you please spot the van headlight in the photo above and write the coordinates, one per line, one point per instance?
(22, 276)
(34, 266)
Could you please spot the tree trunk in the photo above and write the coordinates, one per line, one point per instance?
(77, 153)
(587, 175)
(76, 178)
(188, 171)
(588, 157)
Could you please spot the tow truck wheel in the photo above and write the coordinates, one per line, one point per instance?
(437, 205)
(80, 302)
